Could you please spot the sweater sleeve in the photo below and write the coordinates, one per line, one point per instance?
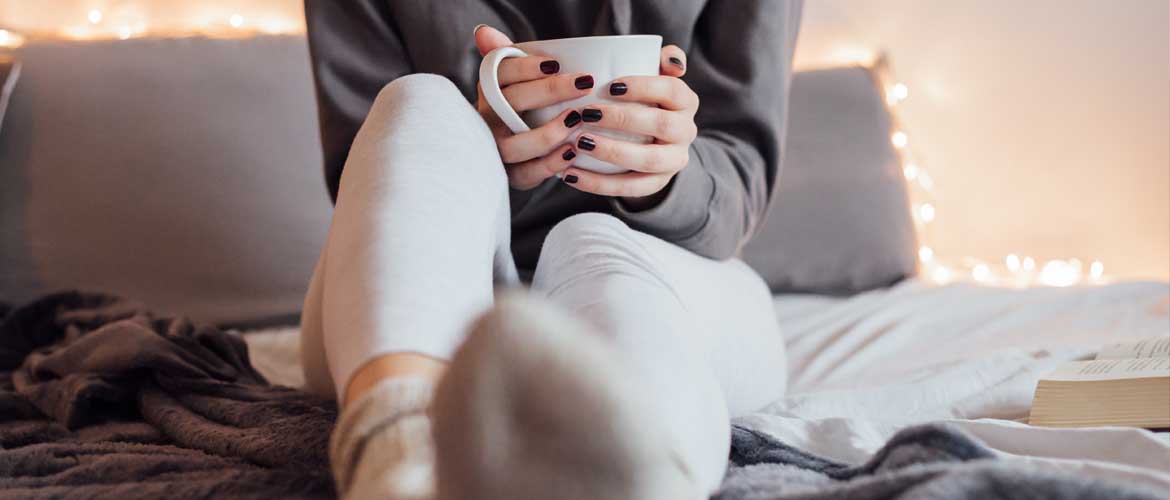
(355, 51)
(739, 62)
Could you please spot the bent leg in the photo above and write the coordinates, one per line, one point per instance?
(419, 233)
(700, 333)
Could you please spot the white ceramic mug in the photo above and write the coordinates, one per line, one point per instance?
(606, 58)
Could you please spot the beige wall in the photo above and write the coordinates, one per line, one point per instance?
(1044, 123)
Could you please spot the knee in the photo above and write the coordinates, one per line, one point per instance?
(425, 88)
(588, 243)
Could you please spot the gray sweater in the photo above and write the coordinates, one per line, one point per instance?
(739, 56)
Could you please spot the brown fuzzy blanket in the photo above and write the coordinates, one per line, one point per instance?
(101, 399)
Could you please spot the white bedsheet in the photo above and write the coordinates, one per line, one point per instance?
(864, 367)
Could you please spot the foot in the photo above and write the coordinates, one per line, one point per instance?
(536, 406)
(382, 446)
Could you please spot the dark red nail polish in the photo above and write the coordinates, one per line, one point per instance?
(569, 155)
(586, 143)
(573, 119)
(677, 62)
(583, 82)
(591, 115)
(550, 67)
(571, 179)
(618, 88)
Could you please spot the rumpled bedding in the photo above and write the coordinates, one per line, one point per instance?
(101, 399)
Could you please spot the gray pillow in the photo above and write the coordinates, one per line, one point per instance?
(184, 173)
(840, 219)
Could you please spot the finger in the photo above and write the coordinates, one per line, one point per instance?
(649, 158)
(548, 91)
(488, 39)
(541, 140)
(523, 69)
(666, 126)
(674, 61)
(531, 173)
(625, 184)
(667, 92)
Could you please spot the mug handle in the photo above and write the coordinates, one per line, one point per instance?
(489, 81)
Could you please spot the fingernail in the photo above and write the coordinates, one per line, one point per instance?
(618, 88)
(476, 30)
(591, 115)
(677, 62)
(586, 143)
(573, 119)
(550, 67)
(569, 155)
(583, 82)
(571, 179)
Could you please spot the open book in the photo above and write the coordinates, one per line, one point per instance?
(1128, 384)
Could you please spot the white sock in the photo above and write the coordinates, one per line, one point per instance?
(382, 446)
(537, 406)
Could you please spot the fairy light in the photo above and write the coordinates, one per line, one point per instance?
(899, 139)
(925, 253)
(926, 212)
(1016, 270)
(126, 22)
(10, 40)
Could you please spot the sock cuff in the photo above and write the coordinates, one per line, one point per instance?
(380, 409)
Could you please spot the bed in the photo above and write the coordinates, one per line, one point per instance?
(864, 367)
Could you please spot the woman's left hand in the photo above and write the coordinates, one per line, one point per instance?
(670, 120)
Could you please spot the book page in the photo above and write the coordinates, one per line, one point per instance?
(1112, 369)
(1155, 347)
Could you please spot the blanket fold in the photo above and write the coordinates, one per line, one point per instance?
(100, 399)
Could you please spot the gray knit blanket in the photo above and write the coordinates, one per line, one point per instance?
(99, 399)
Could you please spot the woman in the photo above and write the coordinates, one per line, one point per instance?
(615, 374)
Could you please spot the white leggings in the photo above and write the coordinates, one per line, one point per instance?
(420, 235)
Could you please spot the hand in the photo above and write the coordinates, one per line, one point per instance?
(529, 83)
(671, 123)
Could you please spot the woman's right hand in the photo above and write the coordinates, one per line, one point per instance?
(529, 83)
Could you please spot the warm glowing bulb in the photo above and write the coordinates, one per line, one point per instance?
(236, 20)
(1059, 273)
(1013, 262)
(981, 272)
(925, 253)
(941, 274)
(1029, 263)
(899, 139)
(5, 38)
(926, 212)
(1096, 269)
(95, 16)
(901, 91)
(125, 32)
(910, 171)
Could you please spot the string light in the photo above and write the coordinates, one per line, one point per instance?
(926, 212)
(1016, 270)
(236, 20)
(95, 16)
(910, 171)
(899, 139)
(10, 40)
